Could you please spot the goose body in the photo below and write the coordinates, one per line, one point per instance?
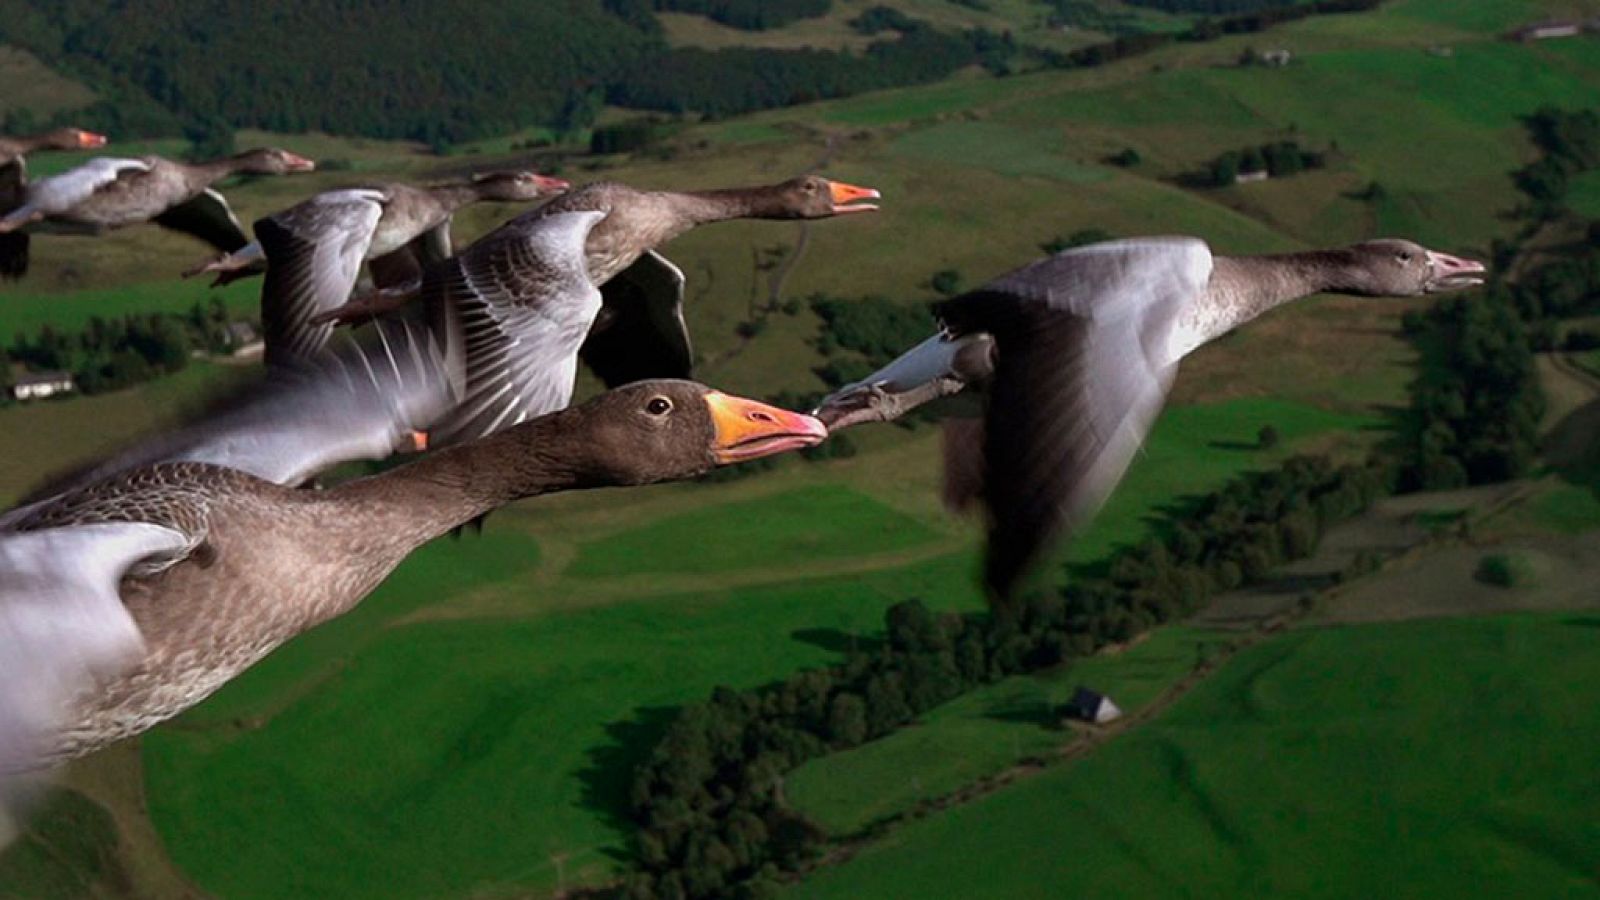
(109, 193)
(127, 601)
(14, 184)
(1076, 354)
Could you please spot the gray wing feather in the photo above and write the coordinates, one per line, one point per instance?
(521, 303)
(1082, 371)
(209, 218)
(314, 252)
(63, 626)
(640, 332)
(59, 193)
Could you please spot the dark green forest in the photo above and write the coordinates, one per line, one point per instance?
(406, 70)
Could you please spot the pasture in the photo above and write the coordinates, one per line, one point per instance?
(1327, 763)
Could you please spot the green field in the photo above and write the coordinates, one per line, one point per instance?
(1331, 763)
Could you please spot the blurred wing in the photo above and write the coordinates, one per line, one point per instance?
(63, 626)
(1082, 370)
(521, 302)
(314, 252)
(62, 192)
(640, 332)
(13, 193)
(208, 218)
(357, 400)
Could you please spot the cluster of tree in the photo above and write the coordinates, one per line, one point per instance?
(1570, 145)
(878, 19)
(1092, 16)
(395, 70)
(750, 15)
(1278, 159)
(1477, 405)
(1213, 7)
(708, 800)
(119, 352)
(740, 79)
(862, 335)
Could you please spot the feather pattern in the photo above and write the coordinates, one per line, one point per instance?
(314, 253)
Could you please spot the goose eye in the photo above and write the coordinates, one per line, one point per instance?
(1405, 256)
(658, 406)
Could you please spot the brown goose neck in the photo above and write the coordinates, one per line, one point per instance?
(444, 490)
(704, 207)
(454, 196)
(1251, 285)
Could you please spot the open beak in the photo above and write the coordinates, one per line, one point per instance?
(1452, 273)
(553, 185)
(750, 430)
(88, 140)
(844, 197)
(299, 163)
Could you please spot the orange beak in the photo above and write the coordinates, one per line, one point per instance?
(298, 163)
(750, 430)
(844, 195)
(88, 140)
(547, 183)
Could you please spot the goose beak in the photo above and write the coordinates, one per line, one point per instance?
(746, 429)
(550, 184)
(88, 140)
(1452, 273)
(844, 197)
(298, 163)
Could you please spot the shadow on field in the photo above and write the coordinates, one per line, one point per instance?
(1036, 713)
(835, 641)
(1582, 622)
(608, 778)
(1244, 446)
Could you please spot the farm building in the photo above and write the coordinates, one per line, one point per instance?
(37, 385)
(243, 340)
(1277, 59)
(1543, 31)
(1247, 177)
(1091, 706)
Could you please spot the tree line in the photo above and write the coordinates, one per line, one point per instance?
(111, 353)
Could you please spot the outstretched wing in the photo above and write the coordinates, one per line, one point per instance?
(208, 218)
(406, 265)
(63, 627)
(314, 252)
(640, 332)
(522, 302)
(359, 399)
(13, 193)
(59, 193)
(1081, 371)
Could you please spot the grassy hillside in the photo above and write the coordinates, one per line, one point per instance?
(1329, 763)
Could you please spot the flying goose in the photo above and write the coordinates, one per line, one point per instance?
(639, 330)
(1077, 353)
(418, 217)
(125, 602)
(108, 193)
(14, 184)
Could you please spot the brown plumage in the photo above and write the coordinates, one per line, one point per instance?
(126, 602)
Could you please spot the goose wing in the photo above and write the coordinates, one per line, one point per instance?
(209, 218)
(405, 266)
(62, 192)
(640, 332)
(314, 252)
(13, 193)
(1082, 370)
(521, 302)
(359, 399)
(63, 626)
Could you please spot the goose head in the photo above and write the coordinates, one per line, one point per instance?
(511, 187)
(667, 429)
(74, 139)
(273, 161)
(815, 197)
(1399, 268)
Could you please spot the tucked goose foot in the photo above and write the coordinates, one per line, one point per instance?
(880, 401)
(369, 305)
